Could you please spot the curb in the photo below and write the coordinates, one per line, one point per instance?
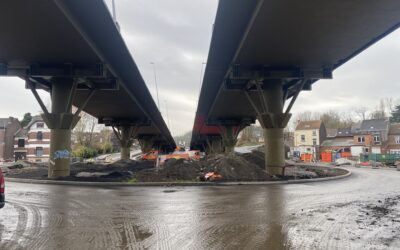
(182, 184)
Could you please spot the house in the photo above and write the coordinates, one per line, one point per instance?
(393, 143)
(344, 132)
(369, 136)
(8, 127)
(308, 136)
(331, 133)
(341, 142)
(32, 143)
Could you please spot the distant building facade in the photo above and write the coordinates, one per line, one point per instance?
(393, 143)
(32, 143)
(370, 136)
(8, 127)
(308, 137)
(341, 142)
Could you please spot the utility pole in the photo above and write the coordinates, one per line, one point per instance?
(201, 80)
(155, 81)
(114, 14)
(113, 11)
(166, 108)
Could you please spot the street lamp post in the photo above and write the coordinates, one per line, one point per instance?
(166, 108)
(201, 79)
(155, 81)
(201, 76)
(113, 11)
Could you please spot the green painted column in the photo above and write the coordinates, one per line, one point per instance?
(273, 123)
(126, 143)
(274, 150)
(60, 137)
(216, 145)
(146, 144)
(60, 150)
(229, 140)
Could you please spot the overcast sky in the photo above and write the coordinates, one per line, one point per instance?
(175, 35)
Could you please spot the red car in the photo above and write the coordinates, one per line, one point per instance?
(1, 189)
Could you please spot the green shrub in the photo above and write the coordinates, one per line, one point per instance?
(84, 152)
(104, 148)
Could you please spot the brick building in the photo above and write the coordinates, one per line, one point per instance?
(32, 143)
(8, 127)
(393, 144)
(370, 136)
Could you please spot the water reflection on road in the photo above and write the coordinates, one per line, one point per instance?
(301, 216)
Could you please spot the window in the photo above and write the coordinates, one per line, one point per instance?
(397, 139)
(40, 125)
(366, 150)
(361, 139)
(303, 138)
(21, 143)
(39, 151)
(377, 138)
(314, 132)
(39, 136)
(314, 142)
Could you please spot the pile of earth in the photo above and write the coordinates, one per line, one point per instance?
(122, 170)
(232, 167)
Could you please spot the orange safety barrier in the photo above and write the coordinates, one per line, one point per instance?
(326, 156)
(178, 156)
(306, 157)
(345, 154)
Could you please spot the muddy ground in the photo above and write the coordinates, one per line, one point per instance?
(359, 212)
(234, 167)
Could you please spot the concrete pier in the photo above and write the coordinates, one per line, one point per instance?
(273, 123)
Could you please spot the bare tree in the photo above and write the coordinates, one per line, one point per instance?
(361, 112)
(377, 114)
(85, 129)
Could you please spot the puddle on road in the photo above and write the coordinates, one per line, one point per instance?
(170, 191)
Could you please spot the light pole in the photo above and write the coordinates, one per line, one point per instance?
(113, 11)
(166, 108)
(201, 79)
(155, 81)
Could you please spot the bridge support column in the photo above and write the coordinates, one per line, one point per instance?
(146, 143)
(229, 138)
(125, 135)
(273, 122)
(214, 145)
(61, 121)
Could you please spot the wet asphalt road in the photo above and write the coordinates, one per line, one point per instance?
(359, 212)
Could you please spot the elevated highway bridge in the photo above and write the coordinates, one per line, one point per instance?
(74, 50)
(265, 52)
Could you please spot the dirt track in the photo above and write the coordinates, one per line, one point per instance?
(359, 212)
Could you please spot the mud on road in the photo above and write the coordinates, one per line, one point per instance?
(359, 212)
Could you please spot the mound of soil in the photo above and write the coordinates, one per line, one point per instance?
(232, 167)
(235, 167)
(173, 170)
(122, 170)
